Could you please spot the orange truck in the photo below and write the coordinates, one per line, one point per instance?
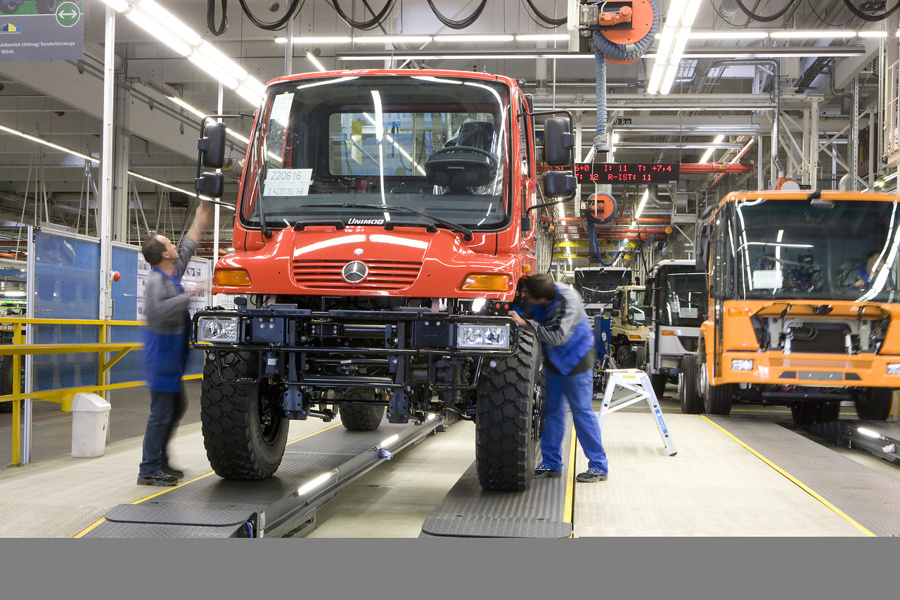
(803, 304)
(384, 222)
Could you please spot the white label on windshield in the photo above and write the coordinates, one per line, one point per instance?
(287, 182)
(766, 280)
(688, 313)
(281, 108)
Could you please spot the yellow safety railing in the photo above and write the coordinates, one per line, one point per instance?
(63, 396)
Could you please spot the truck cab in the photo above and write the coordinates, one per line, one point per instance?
(676, 297)
(630, 326)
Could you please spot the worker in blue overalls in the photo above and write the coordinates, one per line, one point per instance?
(556, 315)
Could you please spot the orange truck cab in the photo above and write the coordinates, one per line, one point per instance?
(803, 304)
(384, 222)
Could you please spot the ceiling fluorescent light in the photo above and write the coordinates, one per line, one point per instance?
(871, 33)
(314, 39)
(474, 38)
(393, 39)
(311, 57)
(248, 93)
(542, 37)
(188, 107)
(739, 34)
(640, 208)
(709, 151)
(815, 34)
(44, 142)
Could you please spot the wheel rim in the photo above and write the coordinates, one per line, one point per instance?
(268, 421)
(704, 381)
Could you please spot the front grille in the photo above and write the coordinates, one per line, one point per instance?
(383, 274)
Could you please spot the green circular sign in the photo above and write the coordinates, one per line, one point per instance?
(68, 14)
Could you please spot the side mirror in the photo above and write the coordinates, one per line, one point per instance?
(210, 184)
(701, 241)
(212, 145)
(558, 142)
(559, 184)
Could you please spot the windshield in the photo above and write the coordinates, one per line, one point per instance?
(792, 249)
(598, 286)
(685, 300)
(383, 145)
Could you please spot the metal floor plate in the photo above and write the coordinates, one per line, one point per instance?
(470, 511)
(215, 507)
(864, 495)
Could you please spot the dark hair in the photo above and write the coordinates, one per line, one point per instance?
(541, 287)
(873, 253)
(152, 250)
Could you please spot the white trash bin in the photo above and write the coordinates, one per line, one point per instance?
(90, 421)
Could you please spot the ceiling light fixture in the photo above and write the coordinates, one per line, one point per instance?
(313, 39)
(393, 39)
(706, 155)
(816, 34)
(312, 58)
(640, 208)
(671, 45)
(171, 31)
(92, 159)
(474, 38)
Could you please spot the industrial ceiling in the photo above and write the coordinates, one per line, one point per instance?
(746, 88)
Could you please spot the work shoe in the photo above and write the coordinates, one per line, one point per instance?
(590, 476)
(543, 471)
(176, 473)
(158, 478)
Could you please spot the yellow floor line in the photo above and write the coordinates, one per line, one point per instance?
(795, 481)
(569, 503)
(174, 487)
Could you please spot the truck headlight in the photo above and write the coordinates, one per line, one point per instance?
(893, 368)
(217, 329)
(483, 336)
(742, 364)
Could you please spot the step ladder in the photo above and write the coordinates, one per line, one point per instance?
(638, 382)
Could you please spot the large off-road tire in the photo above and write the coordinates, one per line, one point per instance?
(816, 411)
(689, 388)
(875, 404)
(507, 417)
(9, 8)
(360, 417)
(625, 356)
(243, 431)
(717, 399)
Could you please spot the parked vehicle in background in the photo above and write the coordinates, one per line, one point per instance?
(630, 327)
(597, 286)
(794, 316)
(676, 295)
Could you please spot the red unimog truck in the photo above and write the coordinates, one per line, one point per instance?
(384, 221)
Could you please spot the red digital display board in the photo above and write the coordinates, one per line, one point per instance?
(636, 173)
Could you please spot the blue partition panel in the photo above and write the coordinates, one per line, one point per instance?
(67, 286)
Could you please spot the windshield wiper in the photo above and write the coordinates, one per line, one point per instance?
(467, 233)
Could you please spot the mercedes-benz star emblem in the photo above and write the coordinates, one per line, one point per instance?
(354, 272)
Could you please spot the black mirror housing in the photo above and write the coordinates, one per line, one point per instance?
(210, 184)
(558, 142)
(559, 184)
(212, 146)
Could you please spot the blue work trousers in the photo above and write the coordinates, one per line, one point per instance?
(166, 410)
(576, 391)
